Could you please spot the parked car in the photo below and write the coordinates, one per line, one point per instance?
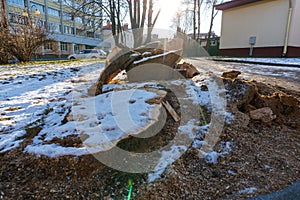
(88, 53)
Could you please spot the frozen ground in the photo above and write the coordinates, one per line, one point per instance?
(29, 93)
(44, 96)
(48, 96)
(53, 99)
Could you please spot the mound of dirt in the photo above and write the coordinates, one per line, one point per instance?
(265, 155)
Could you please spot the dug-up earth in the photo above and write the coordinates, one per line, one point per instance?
(265, 134)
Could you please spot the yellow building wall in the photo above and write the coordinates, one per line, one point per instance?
(295, 25)
(266, 20)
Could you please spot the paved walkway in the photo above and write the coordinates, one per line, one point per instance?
(273, 62)
(291, 192)
(286, 77)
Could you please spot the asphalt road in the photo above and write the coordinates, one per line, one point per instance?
(282, 76)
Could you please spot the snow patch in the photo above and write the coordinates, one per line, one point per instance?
(166, 158)
(152, 57)
(95, 118)
(249, 190)
(287, 61)
(213, 156)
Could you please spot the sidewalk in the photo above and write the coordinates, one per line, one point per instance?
(291, 192)
(289, 62)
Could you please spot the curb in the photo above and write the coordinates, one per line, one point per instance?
(291, 192)
(259, 63)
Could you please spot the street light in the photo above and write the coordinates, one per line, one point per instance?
(36, 11)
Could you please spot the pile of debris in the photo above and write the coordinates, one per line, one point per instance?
(152, 57)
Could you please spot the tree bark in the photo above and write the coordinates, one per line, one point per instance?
(138, 19)
(4, 14)
(194, 19)
(199, 13)
(213, 15)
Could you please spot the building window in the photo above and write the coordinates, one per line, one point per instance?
(67, 2)
(78, 20)
(37, 6)
(76, 48)
(67, 16)
(17, 2)
(15, 18)
(48, 46)
(53, 12)
(68, 30)
(53, 27)
(98, 36)
(90, 34)
(63, 46)
(88, 47)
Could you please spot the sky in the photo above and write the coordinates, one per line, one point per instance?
(169, 9)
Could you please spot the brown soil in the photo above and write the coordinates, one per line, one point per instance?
(265, 156)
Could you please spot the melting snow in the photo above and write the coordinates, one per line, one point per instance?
(249, 190)
(152, 57)
(286, 61)
(44, 96)
(167, 157)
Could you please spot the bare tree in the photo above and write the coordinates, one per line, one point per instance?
(141, 16)
(137, 14)
(183, 18)
(97, 11)
(194, 19)
(4, 54)
(22, 39)
(199, 3)
(3, 17)
(211, 5)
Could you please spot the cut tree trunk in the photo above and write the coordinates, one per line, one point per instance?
(114, 66)
(151, 60)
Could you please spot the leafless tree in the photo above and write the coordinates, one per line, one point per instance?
(199, 3)
(98, 11)
(183, 18)
(210, 5)
(4, 54)
(194, 19)
(138, 10)
(21, 40)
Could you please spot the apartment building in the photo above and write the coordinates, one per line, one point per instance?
(72, 32)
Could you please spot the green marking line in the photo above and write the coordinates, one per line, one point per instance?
(130, 189)
(202, 115)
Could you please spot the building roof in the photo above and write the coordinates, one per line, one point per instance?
(234, 3)
(79, 40)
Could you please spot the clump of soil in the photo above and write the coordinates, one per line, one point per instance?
(68, 141)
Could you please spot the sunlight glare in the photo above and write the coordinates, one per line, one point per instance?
(168, 11)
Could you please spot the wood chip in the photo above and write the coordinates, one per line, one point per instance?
(171, 110)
